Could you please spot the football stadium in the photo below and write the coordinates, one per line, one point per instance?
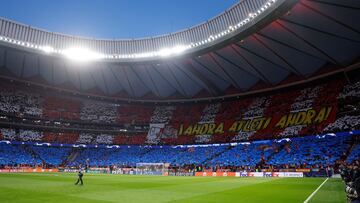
(259, 103)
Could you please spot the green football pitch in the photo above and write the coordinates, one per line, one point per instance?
(59, 187)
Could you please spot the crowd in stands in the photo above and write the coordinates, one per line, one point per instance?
(90, 119)
(14, 155)
(85, 138)
(349, 119)
(88, 138)
(8, 134)
(345, 123)
(70, 138)
(303, 152)
(29, 135)
(354, 155)
(209, 113)
(203, 138)
(60, 137)
(22, 135)
(61, 108)
(257, 108)
(303, 102)
(20, 102)
(53, 156)
(311, 151)
(98, 112)
(106, 157)
(91, 122)
(291, 131)
(306, 98)
(130, 114)
(351, 90)
(162, 114)
(181, 156)
(246, 154)
(354, 151)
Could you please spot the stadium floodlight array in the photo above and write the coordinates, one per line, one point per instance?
(82, 54)
(79, 54)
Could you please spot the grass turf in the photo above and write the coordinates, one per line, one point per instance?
(59, 187)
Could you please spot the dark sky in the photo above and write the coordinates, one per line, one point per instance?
(112, 18)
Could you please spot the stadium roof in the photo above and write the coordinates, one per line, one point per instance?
(253, 45)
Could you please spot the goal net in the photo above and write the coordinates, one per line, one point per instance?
(152, 168)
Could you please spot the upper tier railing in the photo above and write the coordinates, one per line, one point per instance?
(216, 28)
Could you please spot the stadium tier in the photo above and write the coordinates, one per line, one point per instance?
(46, 117)
(253, 132)
(15, 155)
(301, 152)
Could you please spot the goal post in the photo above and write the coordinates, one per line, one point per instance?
(152, 168)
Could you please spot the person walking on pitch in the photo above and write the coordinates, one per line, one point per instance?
(80, 176)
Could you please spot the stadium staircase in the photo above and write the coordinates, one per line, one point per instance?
(216, 155)
(266, 159)
(73, 154)
(282, 147)
(352, 144)
(33, 154)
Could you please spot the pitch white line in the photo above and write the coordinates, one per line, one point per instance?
(312, 194)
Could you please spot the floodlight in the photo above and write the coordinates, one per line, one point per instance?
(83, 55)
(170, 51)
(47, 49)
(179, 49)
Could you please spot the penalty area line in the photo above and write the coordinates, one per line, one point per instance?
(312, 194)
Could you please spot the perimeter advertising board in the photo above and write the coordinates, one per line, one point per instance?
(28, 170)
(251, 174)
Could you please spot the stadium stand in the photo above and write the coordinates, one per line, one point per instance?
(98, 112)
(52, 155)
(244, 155)
(99, 122)
(8, 134)
(89, 122)
(355, 154)
(56, 108)
(311, 151)
(303, 152)
(14, 155)
(65, 138)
